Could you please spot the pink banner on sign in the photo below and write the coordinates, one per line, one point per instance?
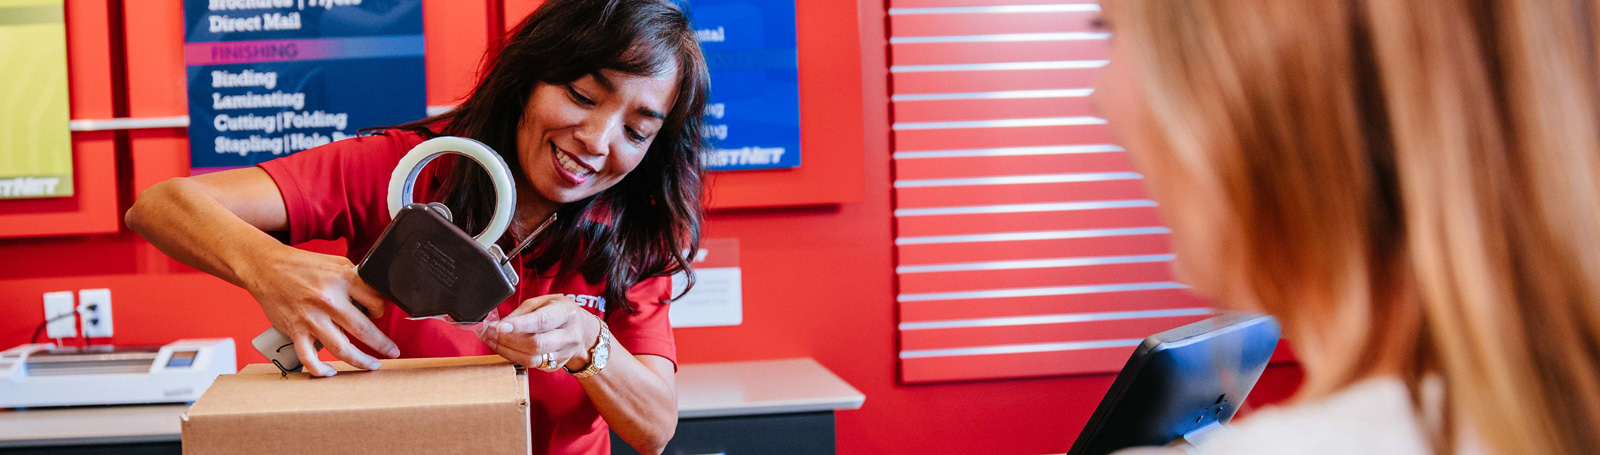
(293, 50)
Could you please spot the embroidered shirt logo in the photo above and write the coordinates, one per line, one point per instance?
(589, 301)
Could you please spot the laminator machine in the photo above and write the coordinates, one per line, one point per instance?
(33, 375)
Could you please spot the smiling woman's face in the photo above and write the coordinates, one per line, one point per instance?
(578, 139)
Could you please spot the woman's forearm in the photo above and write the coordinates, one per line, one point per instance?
(181, 218)
(637, 397)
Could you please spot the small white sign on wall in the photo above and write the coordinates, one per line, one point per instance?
(717, 298)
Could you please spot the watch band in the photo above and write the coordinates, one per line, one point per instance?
(599, 355)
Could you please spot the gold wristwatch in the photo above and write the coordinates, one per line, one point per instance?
(597, 355)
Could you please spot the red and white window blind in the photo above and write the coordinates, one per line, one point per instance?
(1026, 243)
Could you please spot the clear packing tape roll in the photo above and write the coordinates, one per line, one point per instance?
(278, 348)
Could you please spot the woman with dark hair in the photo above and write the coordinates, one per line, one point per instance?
(596, 107)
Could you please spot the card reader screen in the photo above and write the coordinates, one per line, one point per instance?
(181, 359)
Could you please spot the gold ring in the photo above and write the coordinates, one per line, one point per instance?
(547, 363)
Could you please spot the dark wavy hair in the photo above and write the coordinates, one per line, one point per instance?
(646, 225)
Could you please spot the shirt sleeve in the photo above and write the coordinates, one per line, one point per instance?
(647, 331)
(334, 190)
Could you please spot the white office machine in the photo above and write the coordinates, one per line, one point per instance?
(33, 375)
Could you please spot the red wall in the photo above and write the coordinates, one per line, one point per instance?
(819, 281)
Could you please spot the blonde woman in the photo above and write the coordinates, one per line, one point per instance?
(1409, 186)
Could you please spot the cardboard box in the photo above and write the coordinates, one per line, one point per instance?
(446, 405)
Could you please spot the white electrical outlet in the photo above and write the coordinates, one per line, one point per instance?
(60, 304)
(96, 321)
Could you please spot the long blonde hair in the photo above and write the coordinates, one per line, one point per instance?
(1406, 184)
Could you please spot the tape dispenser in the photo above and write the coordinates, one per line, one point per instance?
(424, 264)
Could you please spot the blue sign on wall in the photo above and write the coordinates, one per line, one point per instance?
(272, 77)
(754, 114)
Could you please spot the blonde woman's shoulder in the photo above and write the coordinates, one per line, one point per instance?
(1371, 417)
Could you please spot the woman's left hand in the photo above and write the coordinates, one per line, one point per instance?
(550, 324)
(636, 394)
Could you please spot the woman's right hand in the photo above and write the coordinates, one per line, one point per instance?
(218, 223)
(310, 297)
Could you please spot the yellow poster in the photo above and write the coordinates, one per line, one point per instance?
(35, 145)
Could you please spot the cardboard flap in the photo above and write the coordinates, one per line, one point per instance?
(400, 383)
(392, 364)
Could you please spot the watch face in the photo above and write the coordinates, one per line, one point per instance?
(602, 354)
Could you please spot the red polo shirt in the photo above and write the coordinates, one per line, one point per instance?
(339, 190)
